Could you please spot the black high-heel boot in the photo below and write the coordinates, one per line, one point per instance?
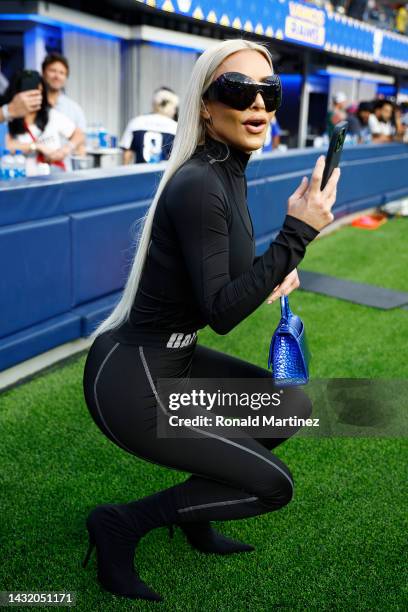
(203, 537)
(115, 537)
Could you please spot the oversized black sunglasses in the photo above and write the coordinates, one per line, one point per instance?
(239, 91)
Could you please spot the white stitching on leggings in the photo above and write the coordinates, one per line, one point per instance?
(222, 503)
(248, 450)
(138, 454)
(253, 498)
(96, 396)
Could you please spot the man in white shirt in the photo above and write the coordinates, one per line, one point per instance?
(149, 138)
(55, 71)
(379, 122)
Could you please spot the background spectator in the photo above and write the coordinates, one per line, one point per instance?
(149, 138)
(379, 122)
(272, 138)
(12, 107)
(4, 82)
(356, 8)
(401, 19)
(338, 112)
(400, 127)
(39, 134)
(19, 105)
(55, 70)
(358, 122)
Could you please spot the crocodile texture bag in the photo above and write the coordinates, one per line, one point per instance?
(289, 353)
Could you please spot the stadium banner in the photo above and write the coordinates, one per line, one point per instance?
(299, 23)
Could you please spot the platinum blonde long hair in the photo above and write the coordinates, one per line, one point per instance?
(190, 132)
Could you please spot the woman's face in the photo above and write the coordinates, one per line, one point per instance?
(228, 123)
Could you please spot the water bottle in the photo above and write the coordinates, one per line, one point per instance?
(19, 165)
(7, 165)
(89, 136)
(103, 136)
(92, 136)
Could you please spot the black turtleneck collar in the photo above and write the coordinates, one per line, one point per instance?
(236, 160)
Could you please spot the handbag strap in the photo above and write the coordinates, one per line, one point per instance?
(285, 308)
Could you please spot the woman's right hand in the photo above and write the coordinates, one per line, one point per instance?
(311, 205)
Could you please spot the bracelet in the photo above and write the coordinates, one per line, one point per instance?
(6, 113)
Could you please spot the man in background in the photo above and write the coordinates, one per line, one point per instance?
(55, 70)
(149, 138)
(379, 122)
(338, 112)
(358, 122)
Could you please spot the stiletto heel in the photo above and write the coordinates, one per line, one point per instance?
(171, 531)
(89, 552)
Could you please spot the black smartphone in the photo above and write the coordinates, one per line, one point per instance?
(30, 79)
(334, 151)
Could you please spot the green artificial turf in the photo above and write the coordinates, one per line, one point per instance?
(340, 544)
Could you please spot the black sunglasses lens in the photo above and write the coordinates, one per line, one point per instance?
(273, 93)
(239, 91)
(233, 90)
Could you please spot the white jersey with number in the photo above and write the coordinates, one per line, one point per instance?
(150, 137)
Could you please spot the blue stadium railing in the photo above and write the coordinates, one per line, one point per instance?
(66, 243)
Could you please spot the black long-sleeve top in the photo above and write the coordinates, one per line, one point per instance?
(201, 268)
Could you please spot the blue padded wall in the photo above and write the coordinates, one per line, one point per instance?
(103, 239)
(35, 273)
(66, 242)
(39, 338)
(371, 176)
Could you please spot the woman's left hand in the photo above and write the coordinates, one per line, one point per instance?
(289, 283)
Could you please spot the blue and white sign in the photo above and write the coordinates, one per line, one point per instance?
(305, 24)
(297, 22)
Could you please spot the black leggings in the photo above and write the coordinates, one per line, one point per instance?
(230, 478)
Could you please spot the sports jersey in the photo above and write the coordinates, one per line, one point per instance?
(150, 137)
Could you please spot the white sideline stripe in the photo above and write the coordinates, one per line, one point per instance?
(19, 372)
(207, 433)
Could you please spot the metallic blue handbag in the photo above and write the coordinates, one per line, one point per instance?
(289, 353)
